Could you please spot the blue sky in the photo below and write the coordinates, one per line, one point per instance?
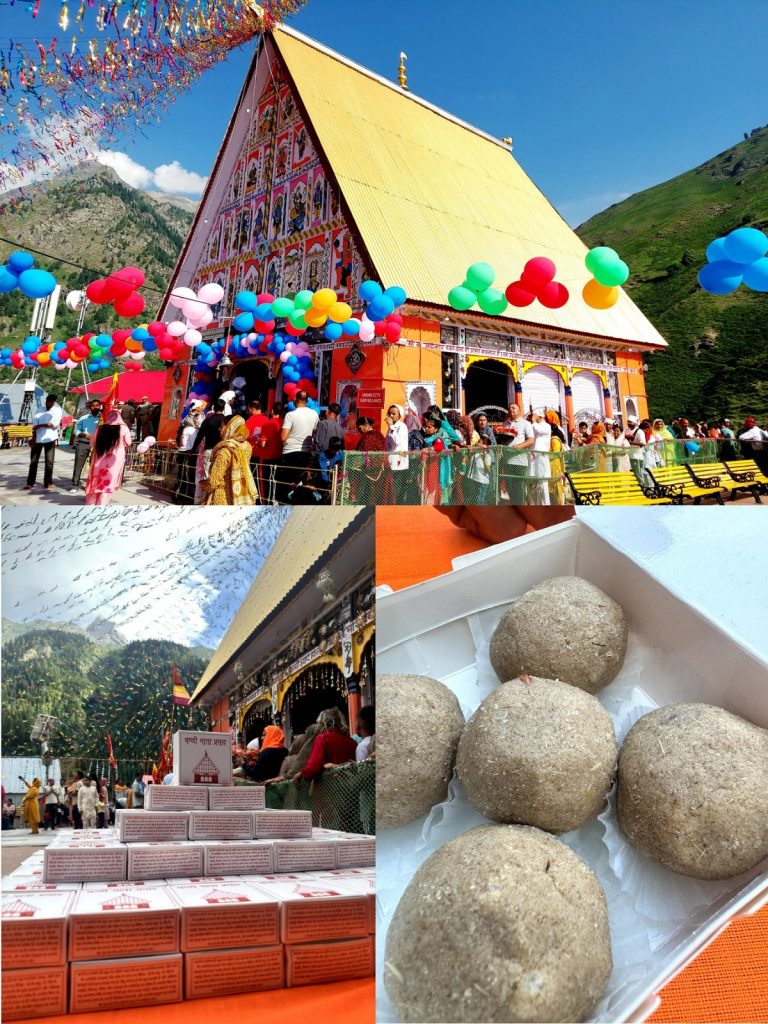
(601, 99)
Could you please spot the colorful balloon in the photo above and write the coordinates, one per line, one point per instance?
(461, 298)
(721, 277)
(598, 296)
(745, 245)
(480, 276)
(537, 273)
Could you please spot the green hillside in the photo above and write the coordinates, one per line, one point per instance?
(93, 690)
(717, 362)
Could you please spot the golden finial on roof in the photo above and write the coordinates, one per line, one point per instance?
(402, 78)
(508, 142)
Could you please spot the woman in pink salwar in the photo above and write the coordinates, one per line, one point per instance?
(109, 445)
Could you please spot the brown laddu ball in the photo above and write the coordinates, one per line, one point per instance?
(418, 724)
(538, 752)
(693, 790)
(503, 923)
(564, 628)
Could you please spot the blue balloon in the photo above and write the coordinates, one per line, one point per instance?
(721, 278)
(20, 261)
(103, 364)
(745, 245)
(380, 308)
(5, 353)
(104, 340)
(291, 406)
(691, 447)
(36, 284)
(62, 344)
(756, 275)
(716, 251)
(397, 294)
(8, 280)
(246, 301)
(93, 367)
(369, 290)
(333, 331)
(138, 334)
(30, 344)
(243, 322)
(264, 312)
(149, 344)
(351, 327)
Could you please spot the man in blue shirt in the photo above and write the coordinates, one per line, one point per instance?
(81, 439)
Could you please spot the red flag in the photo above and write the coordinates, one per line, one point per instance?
(112, 760)
(110, 398)
(165, 764)
(180, 694)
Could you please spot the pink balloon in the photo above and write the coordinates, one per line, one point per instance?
(211, 293)
(182, 295)
(176, 328)
(285, 356)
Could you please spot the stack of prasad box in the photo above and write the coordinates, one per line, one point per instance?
(202, 892)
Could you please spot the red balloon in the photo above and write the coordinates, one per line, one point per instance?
(82, 351)
(97, 292)
(517, 295)
(394, 318)
(121, 335)
(538, 272)
(266, 326)
(554, 295)
(291, 388)
(117, 349)
(118, 286)
(166, 354)
(131, 305)
(264, 297)
(88, 336)
(380, 327)
(133, 275)
(295, 332)
(392, 333)
(156, 328)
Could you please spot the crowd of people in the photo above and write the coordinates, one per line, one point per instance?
(82, 803)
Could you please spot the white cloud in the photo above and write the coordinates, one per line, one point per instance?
(170, 177)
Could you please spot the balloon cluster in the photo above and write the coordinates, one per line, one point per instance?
(538, 282)
(119, 290)
(379, 318)
(608, 271)
(738, 258)
(477, 289)
(197, 311)
(20, 272)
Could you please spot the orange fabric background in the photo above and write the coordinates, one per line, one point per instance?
(344, 1002)
(728, 982)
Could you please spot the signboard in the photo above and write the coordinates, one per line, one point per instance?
(370, 398)
(202, 759)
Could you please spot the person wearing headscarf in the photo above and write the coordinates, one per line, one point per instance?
(333, 745)
(397, 438)
(380, 490)
(186, 457)
(109, 445)
(557, 444)
(297, 759)
(444, 427)
(30, 805)
(271, 755)
(597, 433)
(230, 481)
(540, 465)
(484, 429)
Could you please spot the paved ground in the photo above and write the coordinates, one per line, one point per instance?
(17, 844)
(14, 466)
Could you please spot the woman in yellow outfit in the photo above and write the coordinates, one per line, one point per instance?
(30, 805)
(230, 481)
(556, 466)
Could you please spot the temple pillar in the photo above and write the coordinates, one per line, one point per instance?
(354, 701)
(569, 408)
(608, 404)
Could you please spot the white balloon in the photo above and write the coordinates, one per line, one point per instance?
(71, 364)
(180, 296)
(58, 366)
(200, 317)
(176, 328)
(211, 293)
(138, 356)
(192, 338)
(73, 300)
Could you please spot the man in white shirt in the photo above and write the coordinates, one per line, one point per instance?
(751, 432)
(296, 435)
(517, 465)
(45, 435)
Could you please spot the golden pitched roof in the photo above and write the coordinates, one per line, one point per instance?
(431, 195)
(308, 533)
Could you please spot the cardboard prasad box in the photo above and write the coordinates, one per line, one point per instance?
(202, 758)
(140, 826)
(34, 992)
(176, 798)
(221, 824)
(356, 852)
(252, 857)
(128, 885)
(24, 883)
(118, 922)
(34, 928)
(296, 855)
(311, 963)
(361, 884)
(238, 798)
(164, 860)
(134, 981)
(282, 824)
(216, 914)
(228, 971)
(312, 911)
(67, 864)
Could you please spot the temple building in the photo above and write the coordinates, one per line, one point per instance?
(303, 638)
(328, 175)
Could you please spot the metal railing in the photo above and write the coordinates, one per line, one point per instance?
(343, 798)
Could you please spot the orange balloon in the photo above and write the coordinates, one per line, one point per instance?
(599, 296)
(314, 317)
(43, 359)
(324, 299)
(339, 312)
(133, 346)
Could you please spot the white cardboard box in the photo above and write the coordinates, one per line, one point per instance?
(236, 798)
(321, 962)
(134, 981)
(176, 798)
(364, 885)
(119, 922)
(69, 864)
(229, 825)
(431, 629)
(251, 857)
(225, 972)
(34, 928)
(202, 758)
(356, 852)
(276, 824)
(295, 855)
(127, 885)
(213, 912)
(164, 860)
(34, 992)
(25, 883)
(319, 909)
(140, 826)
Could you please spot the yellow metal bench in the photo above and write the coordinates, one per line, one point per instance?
(747, 471)
(618, 489)
(18, 433)
(714, 474)
(678, 476)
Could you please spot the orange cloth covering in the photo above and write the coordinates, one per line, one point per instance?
(272, 736)
(728, 982)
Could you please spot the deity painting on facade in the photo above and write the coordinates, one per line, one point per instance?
(278, 214)
(252, 174)
(348, 401)
(226, 241)
(213, 247)
(297, 215)
(251, 276)
(334, 204)
(267, 120)
(343, 254)
(315, 276)
(258, 224)
(292, 269)
(221, 279)
(302, 150)
(283, 155)
(287, 108)
(273, 276)
(244, 233)
(318, 198)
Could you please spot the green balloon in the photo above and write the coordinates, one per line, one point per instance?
(600, 256)
(282, 307)
(303, 300)
(480, 276)
(612, 274)
(492, 301)
(297, 319)
(461, 298)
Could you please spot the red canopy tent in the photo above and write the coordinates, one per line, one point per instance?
(129, 385)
